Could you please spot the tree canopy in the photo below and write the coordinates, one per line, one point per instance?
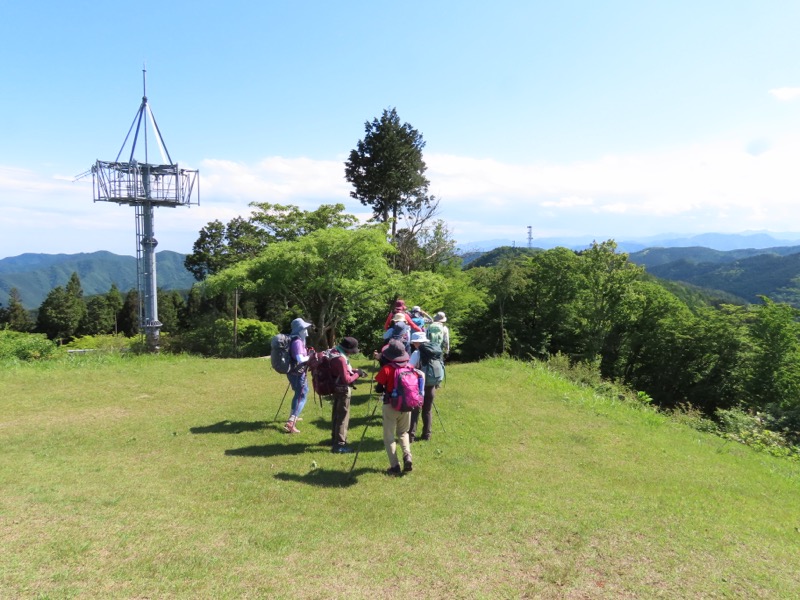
(387, 170)
(333, 277)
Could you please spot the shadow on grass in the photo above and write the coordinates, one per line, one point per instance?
(326, 477)
(269, 450)
(231, 427)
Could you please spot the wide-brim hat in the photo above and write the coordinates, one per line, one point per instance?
(395, 353)
(399, 318)
(400, 305)
(416, 309)
(349, 345)
(299, 325)
(440, 317)
(418, 336)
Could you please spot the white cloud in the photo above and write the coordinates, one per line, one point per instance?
(785, 94)
(568, 202)
(718, 185)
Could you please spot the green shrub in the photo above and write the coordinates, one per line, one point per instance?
(216, 339)
(25, 346)
(100, 342)
(578, 372)
(752, 429)
(688, 415)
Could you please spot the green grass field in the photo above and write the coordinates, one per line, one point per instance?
(166, 477)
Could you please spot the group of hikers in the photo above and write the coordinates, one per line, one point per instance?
(411, 369)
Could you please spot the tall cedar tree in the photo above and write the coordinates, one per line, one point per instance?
(15, 316)
(386, 169)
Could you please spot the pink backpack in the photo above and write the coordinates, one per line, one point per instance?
(409, 389)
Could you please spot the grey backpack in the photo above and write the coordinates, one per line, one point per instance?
(279, 353)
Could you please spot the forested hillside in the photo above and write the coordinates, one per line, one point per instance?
(653, 257)
(769, 275)
(35, 275)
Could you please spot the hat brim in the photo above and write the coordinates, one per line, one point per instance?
(401, 358)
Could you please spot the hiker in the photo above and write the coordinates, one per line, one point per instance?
(395, 423)
(420, 317)
(344, 376)
(380, 355)
(399, 331)
(438, 333)
(298, 354)
(424, 358)
(399, 308)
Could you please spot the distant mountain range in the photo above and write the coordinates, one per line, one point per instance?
(758, 240)
(34, 275)
(747, 274)
(743, 275)
(745, 265)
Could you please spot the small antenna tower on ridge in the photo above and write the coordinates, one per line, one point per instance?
(530, 236)
(145, 185)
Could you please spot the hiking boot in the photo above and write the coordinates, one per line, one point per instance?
(393, 471)
(290, 428)
(426, 437)
(407, 466)
(341, 450)
(411, 438)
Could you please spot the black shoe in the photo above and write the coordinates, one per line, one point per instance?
(426, 438)
(407, 466)
(341, 450)
(393, 471)
(411, 438)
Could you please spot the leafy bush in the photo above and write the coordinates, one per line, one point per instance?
(752, 429)
(100, 342)
(576, 371)
(216, 339)
(693, 417)
(25, 346)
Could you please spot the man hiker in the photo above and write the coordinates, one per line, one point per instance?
(298, 354)
(344, 376)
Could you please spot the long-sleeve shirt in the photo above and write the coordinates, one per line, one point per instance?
(299, 354)
(340, 368)
(411, 324)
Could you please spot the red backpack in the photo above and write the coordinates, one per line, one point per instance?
(409, 389)
(319, 365)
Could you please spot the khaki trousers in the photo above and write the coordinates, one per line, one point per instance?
(395, 425)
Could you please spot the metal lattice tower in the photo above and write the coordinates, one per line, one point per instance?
(145, 186)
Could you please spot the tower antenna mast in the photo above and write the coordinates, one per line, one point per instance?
(145, 186)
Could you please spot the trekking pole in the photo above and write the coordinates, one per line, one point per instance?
(369, 397)
(275, 418)
(440, 416)
(355, 458)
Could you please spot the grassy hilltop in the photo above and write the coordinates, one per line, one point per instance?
(165, 477)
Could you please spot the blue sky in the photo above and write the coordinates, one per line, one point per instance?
(606, 119)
